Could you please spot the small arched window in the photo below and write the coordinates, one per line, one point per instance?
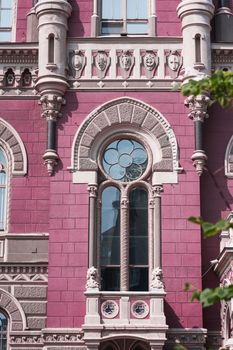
(123, 228)
(3, 189)
(197, 48)
(51, 48)
(3, 330)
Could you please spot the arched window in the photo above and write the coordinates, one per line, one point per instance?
(3, 189)
(123, 231)
(3, 331)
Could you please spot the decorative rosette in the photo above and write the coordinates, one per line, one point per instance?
(125, 160)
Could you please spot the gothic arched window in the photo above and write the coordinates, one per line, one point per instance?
(3, 331)
(123, 225)
(3, 189)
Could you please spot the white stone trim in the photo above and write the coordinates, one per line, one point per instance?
(128, 116)
(228, 161)
(17, 316)
(12, 141)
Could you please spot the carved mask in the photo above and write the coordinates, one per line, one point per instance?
(149, 61)
(101, 61)
(173, 62)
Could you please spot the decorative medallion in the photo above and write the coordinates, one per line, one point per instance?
(150, 63)
(77, 63)
(126, 61)
(125, 160)
(109, 309)
(140, 309)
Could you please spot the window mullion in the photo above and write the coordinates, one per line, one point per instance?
(124, 243)
(124, 16)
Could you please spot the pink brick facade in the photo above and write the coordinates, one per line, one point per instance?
(48, 217)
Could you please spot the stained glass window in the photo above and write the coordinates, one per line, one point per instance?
(125, 160)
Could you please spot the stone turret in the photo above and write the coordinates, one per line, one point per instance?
(52, 83)
(195, 18)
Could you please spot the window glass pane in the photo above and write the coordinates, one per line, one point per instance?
(138, 227)
(6, 4)
(5, 36)
(125, 160)
(138, 279)
(111, 9)
(137, 9)
(6, 18)
(137, 28)
(110, 227)
(112, 28)
(3, 331)
(110, 278)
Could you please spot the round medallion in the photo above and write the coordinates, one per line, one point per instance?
(140, 309)
(125, 160)
(109, 309)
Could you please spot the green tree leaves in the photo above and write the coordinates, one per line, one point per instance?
(219, 86)
(210, 229)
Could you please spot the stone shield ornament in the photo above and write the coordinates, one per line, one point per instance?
(126, 61)
(102, 62)
(150, 63)
(77, 63)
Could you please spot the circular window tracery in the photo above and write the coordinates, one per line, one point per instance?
(125, 160)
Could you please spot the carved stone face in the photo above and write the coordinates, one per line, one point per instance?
(149, 61)
(173, 62)
(126, 61)
(101, 61)
(78, 61)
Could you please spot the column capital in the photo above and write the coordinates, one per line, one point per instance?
(51, 106)
(92, 189)
(157, 190)
(198, 106)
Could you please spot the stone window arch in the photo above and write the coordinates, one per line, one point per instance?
(3, 330)
(229, 159)
(12, 144)
(11, 307)
(120, 116)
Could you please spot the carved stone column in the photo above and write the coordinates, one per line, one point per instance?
(157, 190)
(124, 245)
(92, 188)
(51, 106)
(198, 113)
(52, 81)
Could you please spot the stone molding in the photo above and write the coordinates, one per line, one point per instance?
(228, 162)
(13, 308)
(132, 115)
(194, 338)
(13, 143)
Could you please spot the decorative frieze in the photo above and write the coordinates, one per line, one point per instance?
(193, 338)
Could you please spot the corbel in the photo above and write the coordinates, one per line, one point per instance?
(51, 105)
(198, 106)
